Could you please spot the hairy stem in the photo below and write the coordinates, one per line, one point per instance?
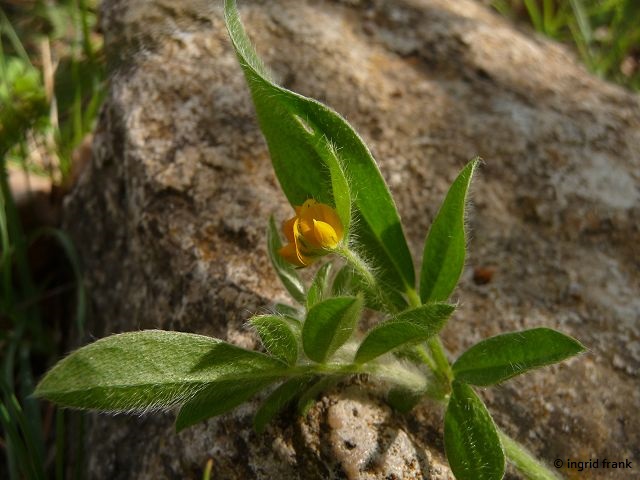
(393, 372)
(442, 367)
(358, 265)
(524, 461)
(414, 299)
(424, 356)
(437, 351)
(363, 270)
(434, 357)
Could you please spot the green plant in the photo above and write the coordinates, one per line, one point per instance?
(343, 211)
(28, 110)
(20, 420)
(62, 79)
(25, 334)
(604, 32)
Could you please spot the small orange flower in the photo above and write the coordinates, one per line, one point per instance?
(315, 230)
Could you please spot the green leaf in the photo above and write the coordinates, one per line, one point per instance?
(278, 336)
(340, 188)
(329, 325)
(286, 272)
(224, 360)
(383, 299)
(25, 448)
(499, 358)
(471, 441)
(349, 282)
(279, 399)
(410, 326)
(218, 398)
(312, 147)
(444, 248)
(151, 369)
(319, 287)
(342, 282)
(404, 400)
(308, 398)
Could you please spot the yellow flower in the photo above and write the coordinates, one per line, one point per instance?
(315, 230)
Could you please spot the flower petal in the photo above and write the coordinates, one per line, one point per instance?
(326, 214)
(312, 210)
(305, 252)
(290, 254)
(287, 229)
(305, 237)
(325, 235)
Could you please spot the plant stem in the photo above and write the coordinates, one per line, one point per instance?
(425, 357)
(437, 351)
(436, 360)
(442, 368)
(396, 373)
(414, 299)
(524, 461)
(362, 269)
(358, 265)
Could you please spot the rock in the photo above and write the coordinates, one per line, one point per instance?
(170, 220)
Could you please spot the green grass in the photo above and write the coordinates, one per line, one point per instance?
(51, 86)
(605, 33)
(52, 82)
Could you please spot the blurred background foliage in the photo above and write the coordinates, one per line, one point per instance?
(604, 33)
(52, 83)
(51, 87)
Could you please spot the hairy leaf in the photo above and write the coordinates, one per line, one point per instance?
(319, 288)
(312, 148)
(408, 327)
(499, 358)
(279, 399)
(318, 385)
(151, 369)
(218, 398)
(471, 441)
(329, 325)
(444, 248)
(342, 282)
(404, 400)
(349, 282)
(278, 335)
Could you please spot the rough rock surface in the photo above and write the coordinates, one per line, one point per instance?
(170, 217)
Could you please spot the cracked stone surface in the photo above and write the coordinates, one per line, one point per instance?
(170, 221)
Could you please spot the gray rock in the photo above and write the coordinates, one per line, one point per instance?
(170, 220)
